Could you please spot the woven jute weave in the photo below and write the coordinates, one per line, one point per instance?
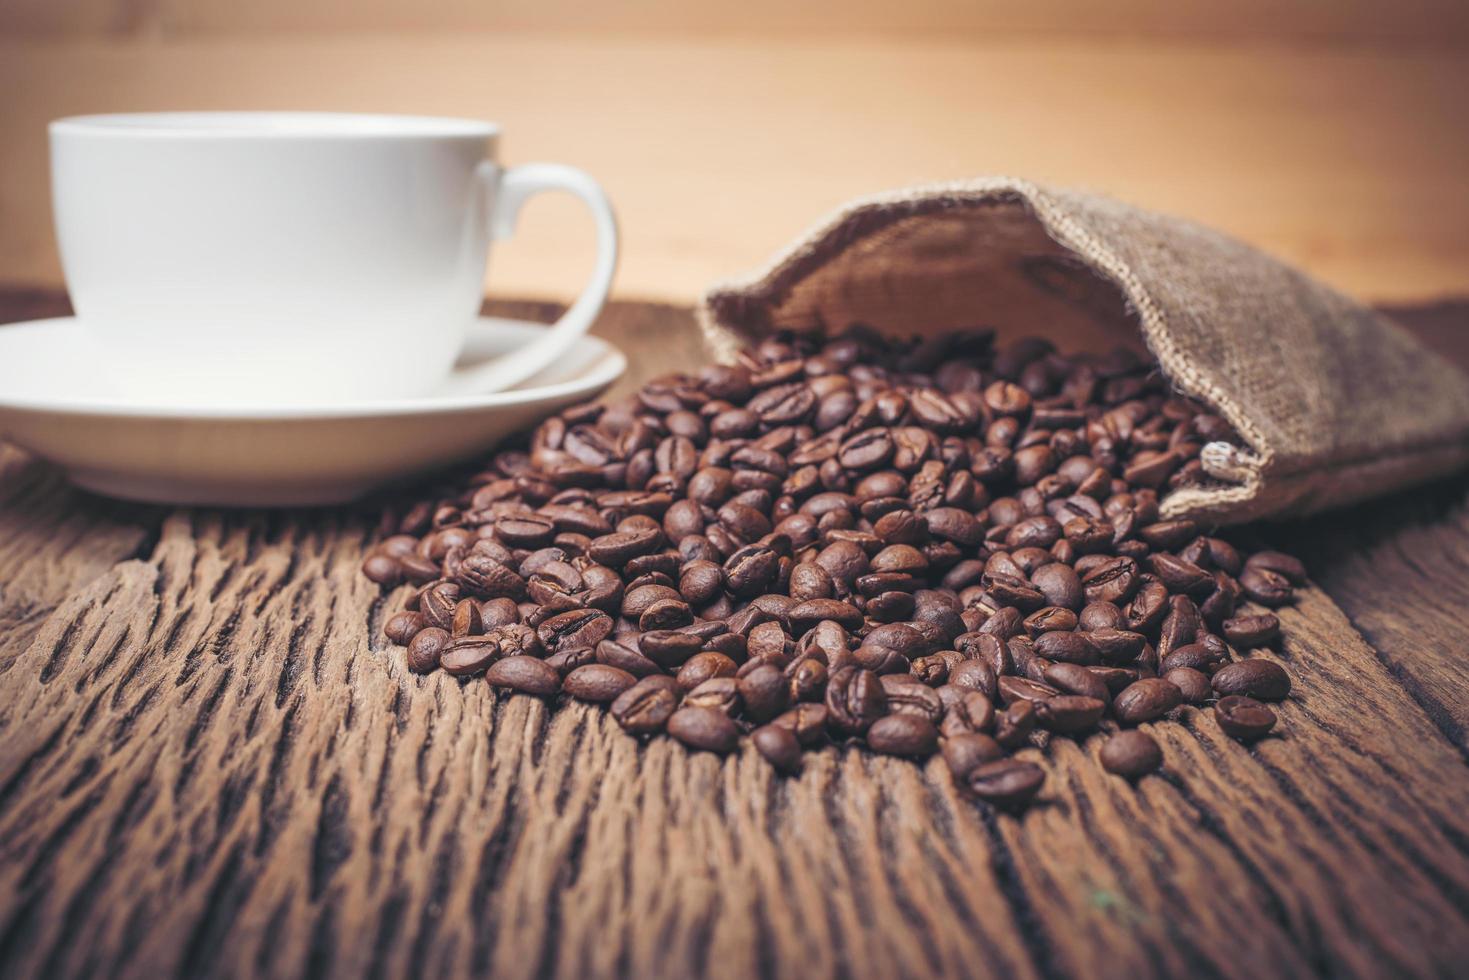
(1335, 403)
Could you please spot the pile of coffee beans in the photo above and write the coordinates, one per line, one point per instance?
(938, 545)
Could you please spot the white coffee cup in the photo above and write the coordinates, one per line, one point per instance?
(224, 258)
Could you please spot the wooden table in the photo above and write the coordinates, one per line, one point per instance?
(211, 762)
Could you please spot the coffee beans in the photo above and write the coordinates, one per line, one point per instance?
(1069, 714)
(855, 698)
(1145, 700)
(469, 655)
(597, 683)
(524, 674)
(426, 648)
(903, 734)
(1131, 754)
(403, 627)
(1006, 782)
(779, 746)
(1259, 679)
(645, 707)
(938, 547)
(704, 728)
(1251, 631)
(1243, 718)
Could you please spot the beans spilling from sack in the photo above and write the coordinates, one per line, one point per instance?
(916, 546)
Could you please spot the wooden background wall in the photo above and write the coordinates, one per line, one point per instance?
(1332, 133)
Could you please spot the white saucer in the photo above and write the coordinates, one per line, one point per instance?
(54, 403)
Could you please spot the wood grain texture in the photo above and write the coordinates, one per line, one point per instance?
(212, 764)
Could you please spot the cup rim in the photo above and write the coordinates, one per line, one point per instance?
(272, 126)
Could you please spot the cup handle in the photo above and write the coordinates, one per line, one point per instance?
(508, 190)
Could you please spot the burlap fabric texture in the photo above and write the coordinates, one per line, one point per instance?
(1336, 403)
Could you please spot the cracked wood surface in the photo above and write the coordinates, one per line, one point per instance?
(211, 763)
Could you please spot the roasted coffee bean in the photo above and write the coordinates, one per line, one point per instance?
(764, 692)
(1169, 535)
(1145, 700)
(565, 661)
(1196, 656)
(1060, 584)
(1193, 684)
(806, 615)
(467, 620)
(419, 570)
(768, 640)
(854, 700)
(933, 669)
(426, 649)
(1116, 646)
(1265, 586)
(666, 614)
(1099, 616)
(1014, 725)
(489, 578)
(516, 640)
(1114, 580)
(644, 708)
(972, 711)
(636, 601)
(966, 751)
(1148, 608)
(597, 683)
(975, 675)
(1014, 689)
(525, 530)
(706, 729)
(383, 569)
(577, 628)
(1252, 630)
(669, 649)
(700, 582)
(1013, 591)
(1005, 782)
(866, 450)
(855, 536)
(1131, 754)
(1073, 679)
(438, 603)
(526, 675)
(807, 721)
(809, 581)
(1260, 679)
(1051, 619)
(624, 657)
(1069, 714)
(907, 696)
(617, 549)
(1286, 566)
(469, 655)
(1243, 717)
(955, 525)
(1221, 603)
(903, 734)
(1182, 577)
(403, 627)
(1075, 648)
(722, 693)
(779, 746)
(750, 570)
(705, 666)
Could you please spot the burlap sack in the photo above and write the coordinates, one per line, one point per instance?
(1335, 403)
